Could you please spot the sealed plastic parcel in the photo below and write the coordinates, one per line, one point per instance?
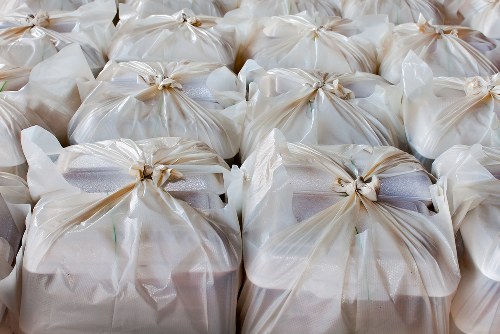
(168, 7)
(340, 239)
(129, 237)
(472, 174)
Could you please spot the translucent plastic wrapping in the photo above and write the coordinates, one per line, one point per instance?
(374, 259)
(329, 44)
(49, 99)
(146, 8)
(46, 4)
(137, 258)
(321, 108)
(264, 8)
(442, 112)
(449, 50)
(30, 35)
(482, 15)
(13, 77)
(140, 100)
(472, 175)
(177, 37)
(399, 11)
(15, 206)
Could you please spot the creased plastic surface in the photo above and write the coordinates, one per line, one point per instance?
(445, 111)
(64, 5)
(322, 108)
(137, 100)
(471, 174)
(265, 8)
(361, 264)
(482, 15)
(146, 8)
(134, 260)
(451, 51)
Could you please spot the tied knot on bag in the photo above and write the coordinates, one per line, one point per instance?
(40, 19)
(425, 26)
(192, 20)
(159, 174)
(161, 82)
(333, 87)
(483, 86)
(360, 187)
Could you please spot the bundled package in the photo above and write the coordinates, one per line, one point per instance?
(13, 77)
(140, 100)
(64, 5)
(482, 15)
(399, 11)
(450, 51)
(472, 174)
(344, 239)
(264, 8)
(28, 36)
(312, 107)
(49, 99)
(329, 44)
(176, 37)
(15, 206)
(129, 237)
(146, 8)
(445, 111)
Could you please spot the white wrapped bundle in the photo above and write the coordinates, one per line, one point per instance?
(15, 206)
(329, 44)
(482, 15)
(442, 112)
(472, 174)
(322, 108)
(399, 11)
(265, 8)
(13, 77)
(137, 100)
(146, 8)
(130, 254)
(64, 5)
(451, 51)
(339, 239)
(49, 99)
(28, 36)
(177, 37)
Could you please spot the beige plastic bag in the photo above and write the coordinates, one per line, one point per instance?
(168, 7)
(450, 51)
(30, 35)
(482, 15)
(138, 100)
(472, 174)
(367, 259)
(322, 108)
(132, 253)
(442, 112)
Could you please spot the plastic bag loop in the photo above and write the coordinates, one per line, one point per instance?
(40, 19)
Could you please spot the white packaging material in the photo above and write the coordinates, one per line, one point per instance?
(399, 11)
(374, 259)
(442, 112)
(482, 15)
(13, 77)
(176, 37)
(136, 259)
(322, 108)
(15, 206)
(329, 44)
(138, 100)
(266, 8)
(146, 8)
(64, 5)
(472, 174)
(450, 51)
(49, 99)
(28, 36)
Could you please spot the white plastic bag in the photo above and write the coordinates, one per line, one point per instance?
(266, 8)
(472, 174)
(482, 15)
(442, 112)
(13, 77)
(64, 5)
(116, 245)
(329, 44)
(28, 36)
(139, 100)
(339, 239)
(49, 99)
(176, 37)
(399, 11)
(450, 51)
(168, 7)
(321, 108)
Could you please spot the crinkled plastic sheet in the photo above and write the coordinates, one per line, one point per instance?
(446, 111)
(361, 263)
(13, 78)
(64, 5)
(138, 100)
(322, 108)
(472, 176)
(264, 8)
(482, 15)
(146, 8)
(137, 259)
(450, 51)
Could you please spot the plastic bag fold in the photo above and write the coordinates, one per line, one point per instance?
(482, 15)
(265, 8)
(63, 5)
(146, 8)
